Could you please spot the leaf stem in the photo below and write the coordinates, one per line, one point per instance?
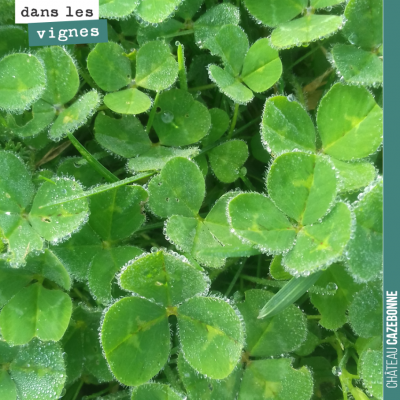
(46, 179)
(93, 396)
(182, 68)
(103, 171)
(258, 266)
(265, 282)
(150, 227)
(209, 147)
(299, 60)
(78, 390)
(354, 356)
(234, 120)
(103, 108)
(172, 379)
(247, 182)
(180, 33)
(201, 88)
(256, 178)
(152, 113)
(314, 316)
(87, 78)
(244, 127)
(235, 278)
(345, 377)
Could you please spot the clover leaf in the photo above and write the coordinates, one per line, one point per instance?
(279, 14)
(358, 133)
(262, 378)
(255, 219)
(169, 280)
(311, 181)
(123, 204)
(77, 252)
(38, 308)
(357, 66)
(36, 369)
(55, 60)
(73, 117)
(111, 57)
(364, 29)
(30, 309)
(262, 340)
(12, 37)
(215, 324)
(153, 11)
(180, 120)
(305, 30)
(371, 372)
(22, 81)
(227, 159)
(43, 114)
(155, 390)
(364, 252)
(202, 387)
(103, 267)
(365, 311)
(81, 343)
(333, 307)
(286, 126)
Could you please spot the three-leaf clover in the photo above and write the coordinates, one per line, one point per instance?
(109, 66)
(317, 230)
(357, 134)
(49, 98)
(135, 331)
(246, 69)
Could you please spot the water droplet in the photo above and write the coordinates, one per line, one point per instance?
(167, 117)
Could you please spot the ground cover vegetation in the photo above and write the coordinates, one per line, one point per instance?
(194, 209)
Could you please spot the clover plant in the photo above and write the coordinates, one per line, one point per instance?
(194, 208)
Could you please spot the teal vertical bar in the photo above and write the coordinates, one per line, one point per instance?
(391, 193)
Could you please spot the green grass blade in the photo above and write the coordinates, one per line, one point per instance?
(100, 189)
(292, 291)
(91, 160)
